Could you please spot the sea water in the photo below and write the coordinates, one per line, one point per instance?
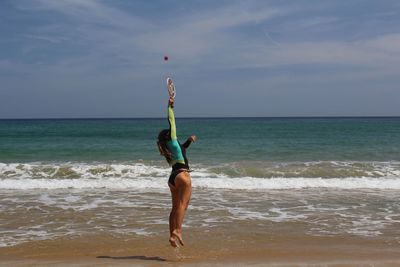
(335, 176)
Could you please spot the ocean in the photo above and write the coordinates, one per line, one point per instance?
(331, 177)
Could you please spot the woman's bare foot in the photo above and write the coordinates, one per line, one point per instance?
(172, 241)
(178, 236)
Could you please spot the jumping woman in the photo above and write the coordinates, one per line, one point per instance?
(179, 181)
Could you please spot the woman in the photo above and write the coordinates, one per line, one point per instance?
(179, 181)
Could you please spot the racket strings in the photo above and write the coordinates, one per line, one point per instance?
(171, 88)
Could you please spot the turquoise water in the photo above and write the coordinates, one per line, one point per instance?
(219, 140)
(332, 176)
(247, 148)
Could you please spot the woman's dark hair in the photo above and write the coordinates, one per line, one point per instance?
(163, 137)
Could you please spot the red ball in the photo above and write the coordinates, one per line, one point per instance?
(165, 58)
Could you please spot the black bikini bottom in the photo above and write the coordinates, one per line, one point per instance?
(173, 175)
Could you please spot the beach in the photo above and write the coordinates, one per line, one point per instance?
(220, 246)
(275, 124)
(234, 244)
(279, 192)
(207, 250)
(288, 251)
(325, 235)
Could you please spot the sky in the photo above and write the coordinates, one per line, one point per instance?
(104, 58)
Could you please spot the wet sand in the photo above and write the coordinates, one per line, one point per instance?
(220, 246)
(234, 228)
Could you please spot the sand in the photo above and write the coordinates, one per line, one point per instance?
(218, 247)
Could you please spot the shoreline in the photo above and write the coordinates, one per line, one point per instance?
(234, 228)
(213, 248)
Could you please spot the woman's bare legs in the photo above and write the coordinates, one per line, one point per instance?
(175, 204)
(181, 193)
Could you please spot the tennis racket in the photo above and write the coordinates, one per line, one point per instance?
(171, 88)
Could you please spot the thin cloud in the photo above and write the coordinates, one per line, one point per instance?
(192, 37)
(195, 36)
(51, 39)
(351, 53)
(85, 46)
(389, 43)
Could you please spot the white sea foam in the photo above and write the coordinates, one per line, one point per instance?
(45, 215)
(250, 183)
(245, 183)
(79, 170)
(368, 175)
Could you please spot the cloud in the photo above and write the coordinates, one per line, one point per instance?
(389, 43)
(198, 36)
(189, 37)
(86, 11)
(90, 44)
(51, 39)
(363, 53)
(97, 34)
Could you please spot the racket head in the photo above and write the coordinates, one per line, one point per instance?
(171, 88)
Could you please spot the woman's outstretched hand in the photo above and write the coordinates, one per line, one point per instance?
(171, 101)
(192, 138)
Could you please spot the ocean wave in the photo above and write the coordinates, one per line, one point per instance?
(244, 183)
(314, 169)
(239, 175)
(72, 170)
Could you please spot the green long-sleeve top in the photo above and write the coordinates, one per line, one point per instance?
(177, 150)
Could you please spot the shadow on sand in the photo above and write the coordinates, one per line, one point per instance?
(133, 258)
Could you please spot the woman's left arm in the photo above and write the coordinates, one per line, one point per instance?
(189, 141)
(171, 119)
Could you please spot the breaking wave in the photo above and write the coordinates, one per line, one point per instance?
(238, 175)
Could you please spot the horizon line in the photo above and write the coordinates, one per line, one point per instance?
(217, 117)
